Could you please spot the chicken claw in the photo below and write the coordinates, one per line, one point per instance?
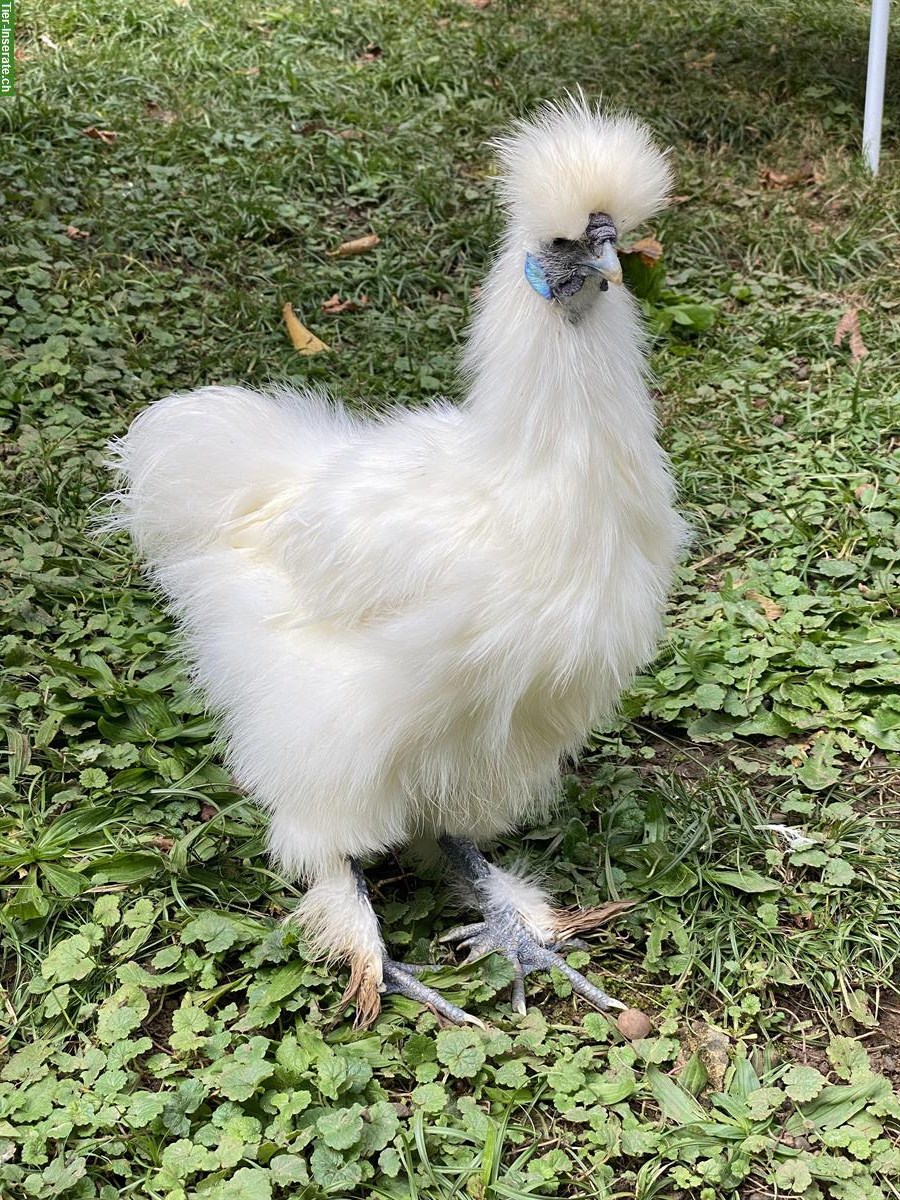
(401, 979)
(519, 923)
(503, 932)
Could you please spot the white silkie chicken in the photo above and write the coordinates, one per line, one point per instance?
(407, 621)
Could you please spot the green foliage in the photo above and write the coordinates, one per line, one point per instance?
(164, 1033)
(666, 311)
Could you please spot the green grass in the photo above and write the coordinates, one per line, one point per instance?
(161, 1032)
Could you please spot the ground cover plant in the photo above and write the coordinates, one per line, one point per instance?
(173, 173)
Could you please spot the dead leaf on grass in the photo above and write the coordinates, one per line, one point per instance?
(480, 4)
(648, 248)
(776, 180)
(372, 53)
(251, 71)
(358, 245)
(76, 234)
(848, 326)
(302, 340)
(46, 40)
(334, 305)
(771, 610)
(107, 136)
(157, 113)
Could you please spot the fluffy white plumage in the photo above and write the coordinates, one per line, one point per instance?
(406, 621)
(554, 165)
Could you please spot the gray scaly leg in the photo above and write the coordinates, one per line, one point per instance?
(506, 929)
(398, 978)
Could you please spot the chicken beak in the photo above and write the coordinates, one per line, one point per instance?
(606, 264)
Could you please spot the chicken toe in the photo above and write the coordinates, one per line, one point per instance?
(519, 923)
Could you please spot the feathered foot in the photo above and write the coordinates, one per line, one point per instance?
(519, 924)
(373, 975)
(370, 981)
(401, 979)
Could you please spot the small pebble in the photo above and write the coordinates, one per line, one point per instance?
(633, 1024)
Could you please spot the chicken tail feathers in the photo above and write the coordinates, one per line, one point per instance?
(196, 465)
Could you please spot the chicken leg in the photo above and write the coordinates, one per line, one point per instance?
(365, 988)
(519, 923)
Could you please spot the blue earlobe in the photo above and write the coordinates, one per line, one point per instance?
(534, 273)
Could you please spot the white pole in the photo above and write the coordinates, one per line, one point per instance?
(878, 42)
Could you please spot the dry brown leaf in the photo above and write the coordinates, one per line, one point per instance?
(648, 248)
(158, 113)
(356, 246)
(21, 56)
(302, 340)
(848, 325)
(771, 610)
(107, 136)
(481, 4)
(372, 53)
(76, 234)
(208, 811)
(251, 71)
(334, 305)
(162, 842)
(805, 173)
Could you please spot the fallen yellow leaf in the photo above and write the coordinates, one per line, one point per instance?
(357, 246)
(771, 610)
(302, 340)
